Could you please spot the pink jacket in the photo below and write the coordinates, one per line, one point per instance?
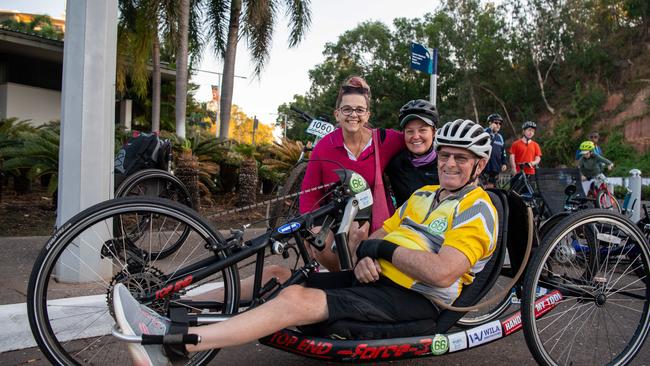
(331, 148)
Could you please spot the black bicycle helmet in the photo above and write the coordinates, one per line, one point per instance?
(529, 124)
(494, 117)
(418, 109)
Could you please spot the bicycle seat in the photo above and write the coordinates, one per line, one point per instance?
(470, 295)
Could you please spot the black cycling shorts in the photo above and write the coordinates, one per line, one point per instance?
(382, 301)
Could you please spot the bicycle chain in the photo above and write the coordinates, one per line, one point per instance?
(267, 202)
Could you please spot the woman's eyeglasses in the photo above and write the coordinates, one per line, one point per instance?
(347, 111)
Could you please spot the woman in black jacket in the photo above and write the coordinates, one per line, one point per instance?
(416, 166)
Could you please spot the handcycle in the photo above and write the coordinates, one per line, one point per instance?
(288, 207)
(577, 291)
(603, 197)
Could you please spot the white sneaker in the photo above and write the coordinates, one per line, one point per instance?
(136, 319)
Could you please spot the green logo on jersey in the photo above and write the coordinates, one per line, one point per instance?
(438, 226)
(357, 183)
(439, 344)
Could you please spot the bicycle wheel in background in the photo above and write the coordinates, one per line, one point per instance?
(281, 211)
(608, 202)
(69, 294)
(601, 313)
(154, 183)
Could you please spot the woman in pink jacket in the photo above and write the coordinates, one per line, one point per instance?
(349, 146)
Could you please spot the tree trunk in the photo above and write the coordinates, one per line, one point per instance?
(227, 82)
(471, 93)
(540, 81)
(181, 67)
(505, 110)
(155, 83)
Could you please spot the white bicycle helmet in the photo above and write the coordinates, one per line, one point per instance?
(464, 134)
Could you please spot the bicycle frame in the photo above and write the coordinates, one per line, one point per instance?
(277, 239)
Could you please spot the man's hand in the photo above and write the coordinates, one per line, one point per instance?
(610, 166)
(583, 178)
(504, 168)
(367, 270)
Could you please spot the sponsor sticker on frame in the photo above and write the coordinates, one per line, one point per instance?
(484, 333)
(457, 341)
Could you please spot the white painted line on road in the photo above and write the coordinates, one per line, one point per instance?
(17, 335)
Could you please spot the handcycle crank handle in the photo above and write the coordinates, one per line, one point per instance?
(341, 236)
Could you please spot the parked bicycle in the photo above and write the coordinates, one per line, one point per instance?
(604, 198)
(288, 207)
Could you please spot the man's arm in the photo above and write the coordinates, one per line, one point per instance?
(441, 269)
(512, 163)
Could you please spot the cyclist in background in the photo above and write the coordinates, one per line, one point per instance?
(349, 146)
(525, 150)
(415, 166)
(498, 161)
(593, 137)
(591, 164)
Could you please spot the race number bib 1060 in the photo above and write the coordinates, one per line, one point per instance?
(320, 128)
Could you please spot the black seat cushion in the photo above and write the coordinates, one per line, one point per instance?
(470, 295)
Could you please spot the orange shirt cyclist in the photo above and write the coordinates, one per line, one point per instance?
(525, 150)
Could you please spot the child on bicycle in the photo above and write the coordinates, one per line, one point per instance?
(591, 164)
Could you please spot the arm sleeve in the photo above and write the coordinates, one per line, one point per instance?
(602, 159)
(313, 178)
(504, 156)
(393, 144)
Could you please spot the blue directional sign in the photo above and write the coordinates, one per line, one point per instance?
(421, 58)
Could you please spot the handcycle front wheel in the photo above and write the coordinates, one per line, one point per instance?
(155, 183)
(596, 264)
(69, 299)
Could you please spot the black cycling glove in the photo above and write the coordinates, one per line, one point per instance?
(376, 248)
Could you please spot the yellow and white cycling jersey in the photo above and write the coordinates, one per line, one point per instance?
(466, 221)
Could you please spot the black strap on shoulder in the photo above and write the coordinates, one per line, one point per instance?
(382, 135)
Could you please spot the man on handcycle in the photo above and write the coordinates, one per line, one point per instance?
(591, 164)
(430, 248)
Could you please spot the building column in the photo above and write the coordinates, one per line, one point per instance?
(87, 124)
(126, 115)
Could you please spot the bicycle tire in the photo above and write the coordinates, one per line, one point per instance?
(156, 183)
(281, 211)
(608, 202)
(72, 330)
(472, 319)
(610, 297)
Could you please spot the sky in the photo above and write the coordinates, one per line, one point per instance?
(286, 72)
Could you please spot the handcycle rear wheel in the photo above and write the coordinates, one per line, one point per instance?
(481, 316)
(603, 316)
(156, 183)
(69, 298)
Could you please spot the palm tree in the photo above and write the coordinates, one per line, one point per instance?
(138, 42)
(255, 20)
